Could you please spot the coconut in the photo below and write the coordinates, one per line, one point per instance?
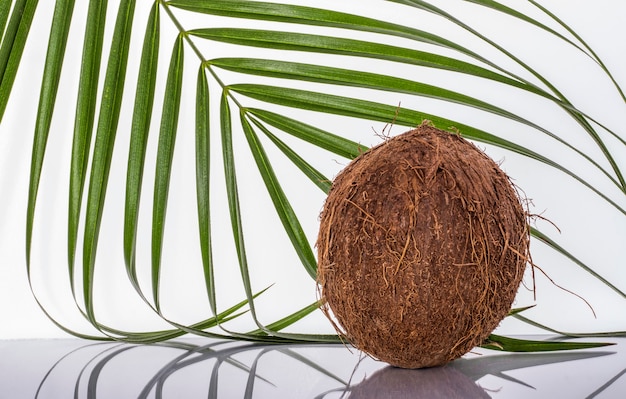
(422, 246)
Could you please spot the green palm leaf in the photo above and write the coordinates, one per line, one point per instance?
(237, 229)
(337, 76)
(203, 150)
(47, 99)
(281, 203)
(318, 17)
(264, 113)
(309, 171)
(575, 114)
(103, 147)
(13, 42)
(84, 120)
(167, 139)
(351, 47)
(140, 130)
(499, 342)
(311, 134)
(380, 112)
(5, 7)
(583, 47)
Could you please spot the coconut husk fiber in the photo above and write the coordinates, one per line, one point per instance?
(422, 246)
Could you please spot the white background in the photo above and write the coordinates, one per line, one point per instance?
(589, 228)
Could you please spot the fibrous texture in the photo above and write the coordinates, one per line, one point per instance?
(422, 246)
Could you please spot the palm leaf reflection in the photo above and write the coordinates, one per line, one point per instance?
(250, 370)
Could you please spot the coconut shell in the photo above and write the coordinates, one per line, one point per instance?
(422, 246)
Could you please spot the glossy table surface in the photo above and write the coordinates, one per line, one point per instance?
(199, 368)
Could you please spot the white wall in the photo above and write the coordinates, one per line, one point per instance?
(590, 229)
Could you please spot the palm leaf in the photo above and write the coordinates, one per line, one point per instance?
(140, 130)
(103, 147)
(203, 150)
(337, 76)
(311, 134)
(508, 344)
(13, 42)
(350, 47)
(47, 98)
(233, 200)
(328, 18)
(309, 171)
(575, 114)
(584, 47)
(169, 122)
(284, 210)
(364, 109)
(235, 211)
(271, 119)
(570, 333)
(5, 7)
(517, 14)
(84, 121)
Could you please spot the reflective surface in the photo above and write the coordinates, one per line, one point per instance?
(197, 368)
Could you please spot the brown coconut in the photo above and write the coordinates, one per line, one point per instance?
(422, 246)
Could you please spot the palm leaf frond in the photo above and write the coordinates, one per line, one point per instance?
(13, 43)
(263, 106)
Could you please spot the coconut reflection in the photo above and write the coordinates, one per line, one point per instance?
(225, 369)
(444, 382)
